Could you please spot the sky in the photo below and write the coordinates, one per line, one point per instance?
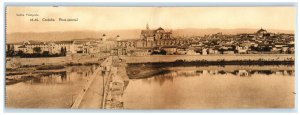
(118, 18)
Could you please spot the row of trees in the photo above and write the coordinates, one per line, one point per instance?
(37, 52)
(161, 52)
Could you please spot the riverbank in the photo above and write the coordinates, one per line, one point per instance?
(47, 88)
(29, 66)
(22, 74)
(69, 60)
(213, 59)
(218, 63)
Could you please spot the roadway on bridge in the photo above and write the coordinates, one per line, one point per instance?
(91, 96)
(94, 95)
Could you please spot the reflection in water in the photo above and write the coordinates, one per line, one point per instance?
(213, 87)
(51, 77)
(51, 89)
(222, 72)
(168, 77)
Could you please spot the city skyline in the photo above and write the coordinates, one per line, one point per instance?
(150, 57)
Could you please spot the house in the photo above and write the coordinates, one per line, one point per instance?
(243, 73)
(107, 46)
(213, 51)
(196, 44)
(284, 49)
(81, 46)
(118, 51)
(68, 45)
(141, 52)
(169, 49)
(275, 50)
(242, 49)
(281, 47)
(93, 49)
(21, 48)
(192, 52)
(182, 50)
(53, 48)
(291, 50)
(14, 46)
(35, 47)
(204, 51)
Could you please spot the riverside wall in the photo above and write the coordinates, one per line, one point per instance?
(76, 58)
(217, 57)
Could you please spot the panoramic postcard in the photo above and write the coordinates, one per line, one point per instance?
(150, 57)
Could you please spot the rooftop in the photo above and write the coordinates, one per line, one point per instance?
(63, 42)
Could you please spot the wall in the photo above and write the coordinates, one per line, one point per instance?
(75, 58)
(216, 57)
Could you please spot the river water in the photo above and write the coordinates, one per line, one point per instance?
(212, 87)
(188, 87)
(51, 89)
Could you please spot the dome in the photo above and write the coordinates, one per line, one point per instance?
(261, 31)
(159, 28)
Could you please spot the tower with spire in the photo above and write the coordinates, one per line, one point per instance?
(147, 26)
(103, 37)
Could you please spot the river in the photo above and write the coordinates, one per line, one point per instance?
(52, 89)
(211, 87)
(165, 87)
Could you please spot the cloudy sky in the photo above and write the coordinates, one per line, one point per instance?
(116, 18)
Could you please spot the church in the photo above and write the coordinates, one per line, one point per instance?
(155, 35)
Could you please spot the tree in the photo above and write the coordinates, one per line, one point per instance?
(20, 53)
(222, 50)
(37, 49)
(163, 52)
(63, 51)
(45, 53)
(10, 50)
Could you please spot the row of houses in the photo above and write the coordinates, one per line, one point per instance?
(159, 41)
(258, 42)
(86, 46)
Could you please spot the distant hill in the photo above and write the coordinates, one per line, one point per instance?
(124, 34)
(201, 32)
(70, 35)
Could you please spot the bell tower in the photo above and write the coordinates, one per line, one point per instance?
(147, 26)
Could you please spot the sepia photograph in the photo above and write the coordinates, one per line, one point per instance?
(150, 58)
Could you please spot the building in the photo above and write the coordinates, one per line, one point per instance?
(127, 43)
(182, 50)
(242, 49)
(261, 33)
(155, 35)
(191, 52)
(204, 51)
(141, 52)
(169, 49)
(35, 47)
(58, 45)
(150, 39)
